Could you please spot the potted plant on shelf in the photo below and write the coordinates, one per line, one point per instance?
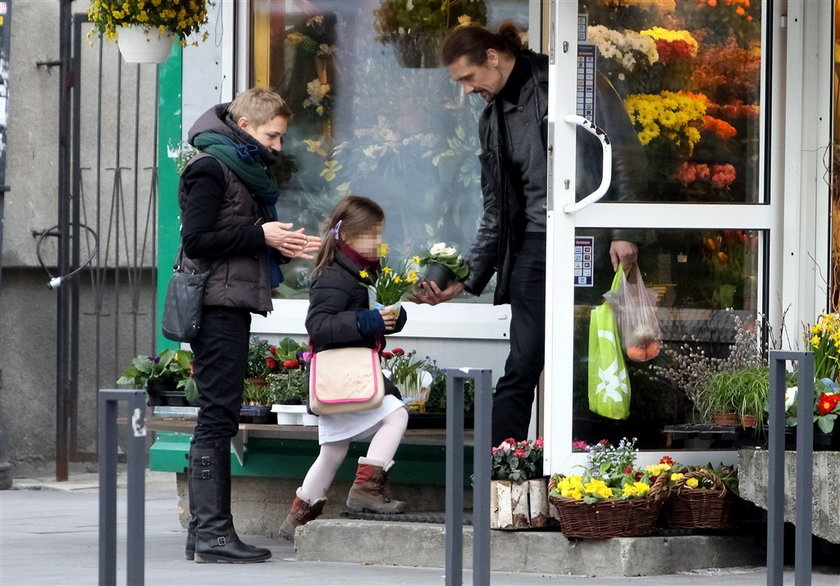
(256, 398)
(289, 387)
(612, 498)
(740, 394)
(518, 491)
(826, 411)
(145, 29)
(443, 265)
(167, 377)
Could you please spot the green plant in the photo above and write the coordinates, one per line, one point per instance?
(446, 256)
(167, 365)
(517, 461)
(289, 386)
(256, 393)
(395, 18)
(744, 391)
(180, 17)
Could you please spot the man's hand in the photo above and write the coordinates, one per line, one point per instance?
(431, 294)
(290, 243)
(624, 252)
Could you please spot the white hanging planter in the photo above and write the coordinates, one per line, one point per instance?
(138, 45)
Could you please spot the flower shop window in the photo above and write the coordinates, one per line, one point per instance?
(375, 115)
(708, 289)
(689, 74)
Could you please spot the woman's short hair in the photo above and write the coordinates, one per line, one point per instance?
(259, 106)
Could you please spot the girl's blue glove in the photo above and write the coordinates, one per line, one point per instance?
(370, 322)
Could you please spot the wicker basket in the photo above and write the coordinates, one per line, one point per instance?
(631, 517)
(698, 508)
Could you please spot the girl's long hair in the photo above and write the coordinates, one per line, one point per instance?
(357, 215)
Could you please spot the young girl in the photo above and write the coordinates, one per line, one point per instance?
(339, 317)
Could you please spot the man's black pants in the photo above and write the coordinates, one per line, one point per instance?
(515, 390)
(220, 365)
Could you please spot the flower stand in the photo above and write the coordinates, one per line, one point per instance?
(293, 415)
(516, 506)
(140, 46)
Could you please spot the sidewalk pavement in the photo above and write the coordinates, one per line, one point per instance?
(49, 536)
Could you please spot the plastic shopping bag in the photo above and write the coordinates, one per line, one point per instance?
(609, 387)
(635, 309)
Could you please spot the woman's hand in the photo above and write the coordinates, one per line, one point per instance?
(290, 243)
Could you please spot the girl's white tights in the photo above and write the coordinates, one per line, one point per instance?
(383, 446)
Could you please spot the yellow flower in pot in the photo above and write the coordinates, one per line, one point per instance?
(145, 29)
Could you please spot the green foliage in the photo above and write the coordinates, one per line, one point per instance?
(168, 365)
(744, 392)
(261, 358)
(437, 393)
(405, 369)
(289, 386)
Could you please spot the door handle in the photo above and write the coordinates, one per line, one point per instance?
(606, 151)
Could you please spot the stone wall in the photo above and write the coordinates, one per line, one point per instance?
(752, 478)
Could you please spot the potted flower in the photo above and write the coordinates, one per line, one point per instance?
(145, 29)
(410, 375)
(256, 399)
(443, 265)
(167, 377)
(611, 498)
(416, 28)
(742, 393)
(826, 411)
(518, 491)
(388, 285)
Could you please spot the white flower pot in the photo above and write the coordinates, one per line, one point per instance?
(140, 46)
(293, 415)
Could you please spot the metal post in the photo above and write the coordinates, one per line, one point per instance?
(804, 469)
(454, 516)
(776, 467)
(136, 507)
(776, 472)
(481, 475)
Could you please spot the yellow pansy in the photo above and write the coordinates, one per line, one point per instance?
(692, 483)
(676, 476)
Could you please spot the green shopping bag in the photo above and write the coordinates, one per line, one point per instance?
(609, 386)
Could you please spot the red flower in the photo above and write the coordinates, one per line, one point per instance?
(271, 363)
(538, 443)
(667, 460)
(272, 349)
(510, 441)
(387, 355)
(519, 453)
(494, 450)
(291, 364)
(827, 403)
(628, 470)
(398, 351)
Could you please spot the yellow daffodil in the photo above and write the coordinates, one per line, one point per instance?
(363, 274)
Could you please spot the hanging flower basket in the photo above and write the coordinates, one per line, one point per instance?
(706, 506)
(138, 45)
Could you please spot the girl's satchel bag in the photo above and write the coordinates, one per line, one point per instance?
(344, 380)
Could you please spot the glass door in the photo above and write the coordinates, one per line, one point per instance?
(680, 90)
